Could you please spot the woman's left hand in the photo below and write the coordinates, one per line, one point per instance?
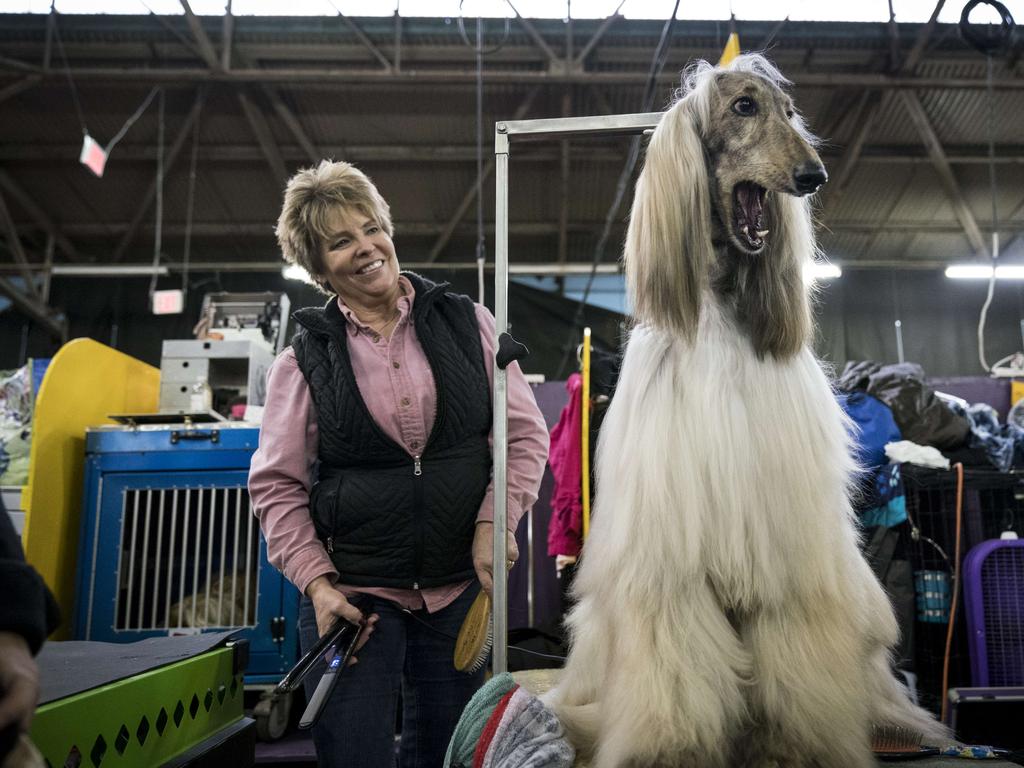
(483, 554)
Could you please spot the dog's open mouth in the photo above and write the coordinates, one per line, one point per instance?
(748, 215)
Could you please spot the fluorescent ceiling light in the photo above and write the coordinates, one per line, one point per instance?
(984, 272)
(295, 272)
(106, 270)
(821, 270)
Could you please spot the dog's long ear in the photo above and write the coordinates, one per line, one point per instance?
(668, 245)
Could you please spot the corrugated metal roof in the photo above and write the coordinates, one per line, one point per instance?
(388, 120)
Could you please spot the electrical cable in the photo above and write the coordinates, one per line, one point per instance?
(190, 206)
(959, 468)
(478, 47)
(158, 233)
(988, 40)
(657, 64)
(131, 120)
(67, 71)
(995, 223)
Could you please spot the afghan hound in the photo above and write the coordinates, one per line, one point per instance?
(724, 614)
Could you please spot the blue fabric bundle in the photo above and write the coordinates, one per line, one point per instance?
(1003, 444)
(881, 500)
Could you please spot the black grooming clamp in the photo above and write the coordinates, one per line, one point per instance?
(336, 647)
(509, 350)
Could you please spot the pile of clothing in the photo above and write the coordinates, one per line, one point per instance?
(930, 423)
(505, 726)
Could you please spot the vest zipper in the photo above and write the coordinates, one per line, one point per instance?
(330, 545)
(417, 495)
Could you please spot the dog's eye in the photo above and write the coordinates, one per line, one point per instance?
(789, 114)
(745, 106)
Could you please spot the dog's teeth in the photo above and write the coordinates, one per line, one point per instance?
(745, 230)
(762, 232)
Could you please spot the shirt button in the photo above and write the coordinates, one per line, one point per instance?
(396, 364)
(405, 401)
(414, 444)
(376, 338)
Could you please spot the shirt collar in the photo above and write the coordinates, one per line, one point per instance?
(352, 323)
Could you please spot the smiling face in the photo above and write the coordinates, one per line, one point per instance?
(358, 260)
(756, 146)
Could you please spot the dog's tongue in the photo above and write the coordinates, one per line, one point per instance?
(751, 200)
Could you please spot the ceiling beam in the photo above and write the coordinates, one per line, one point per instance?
(14, 244)
(474, 188)
(942, 167)
(35, 309)
(38, 215)
(875, 102)
(1005, 247)
(289, 118)
(563, 197)
(554, 60)
(418, 229)
(597, 152)
(863, 116)
(18, 86)
(206, 49)
(599, 33)
(292, 123)
(271, 265)
(171, 156)
(341, 77)
(261, 130)
(356, 30)
(182, 38)
(227, 33)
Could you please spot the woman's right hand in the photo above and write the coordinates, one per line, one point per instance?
(329, 603)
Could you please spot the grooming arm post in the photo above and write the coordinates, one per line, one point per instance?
(499, 614)
(508, 349)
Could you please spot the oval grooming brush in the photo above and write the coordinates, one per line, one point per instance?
(894, 742)
(473, 645)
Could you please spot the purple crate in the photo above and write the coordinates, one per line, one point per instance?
(994, 602)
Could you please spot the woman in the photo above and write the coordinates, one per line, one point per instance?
(373, 470)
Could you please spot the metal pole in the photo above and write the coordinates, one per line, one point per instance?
(499, 614)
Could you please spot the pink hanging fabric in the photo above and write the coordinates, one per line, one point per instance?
(565, 530)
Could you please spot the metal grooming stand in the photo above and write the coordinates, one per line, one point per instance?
(504, 133)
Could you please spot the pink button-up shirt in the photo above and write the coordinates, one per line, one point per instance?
(397, 384)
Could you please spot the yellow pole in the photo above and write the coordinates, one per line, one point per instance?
(585, 436)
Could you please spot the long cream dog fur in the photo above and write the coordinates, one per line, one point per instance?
(724, 614)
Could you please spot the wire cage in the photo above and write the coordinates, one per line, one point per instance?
(993, 502)
(994, 603)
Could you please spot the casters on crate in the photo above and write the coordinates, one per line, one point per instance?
(272, 714)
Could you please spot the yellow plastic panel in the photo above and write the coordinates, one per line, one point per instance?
(1016, 390)
(84, 383)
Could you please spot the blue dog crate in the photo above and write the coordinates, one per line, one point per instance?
(169, 544)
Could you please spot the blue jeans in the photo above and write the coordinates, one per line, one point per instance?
(409, 655)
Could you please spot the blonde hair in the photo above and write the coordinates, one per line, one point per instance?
(310, 198)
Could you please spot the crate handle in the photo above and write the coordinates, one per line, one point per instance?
(213, 435)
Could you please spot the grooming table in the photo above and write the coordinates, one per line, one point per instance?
(164, 701)
(538, 681)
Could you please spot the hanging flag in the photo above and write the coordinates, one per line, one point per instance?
(732, 45)
(93, 156)
(170, 302)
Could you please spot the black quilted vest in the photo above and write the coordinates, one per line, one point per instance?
(389, 519)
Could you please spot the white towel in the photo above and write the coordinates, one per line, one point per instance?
(906, 452)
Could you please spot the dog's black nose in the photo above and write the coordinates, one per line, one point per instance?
(808, 177)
